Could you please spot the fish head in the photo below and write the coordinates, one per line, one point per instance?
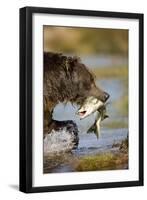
(89, 106)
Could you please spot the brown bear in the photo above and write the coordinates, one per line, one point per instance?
(66, 79)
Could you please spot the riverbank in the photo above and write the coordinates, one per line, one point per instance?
(114, 157)
(105, 161)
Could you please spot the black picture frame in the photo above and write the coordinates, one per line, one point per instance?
(26, 73)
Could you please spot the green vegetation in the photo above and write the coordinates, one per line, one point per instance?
(122, 105)
(106, 161)
(86, 40)
(111, 72)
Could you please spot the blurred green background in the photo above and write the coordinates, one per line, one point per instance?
(86, 40)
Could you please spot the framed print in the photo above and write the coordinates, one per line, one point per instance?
(81, 99)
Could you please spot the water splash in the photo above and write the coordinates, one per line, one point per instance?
(60, 141)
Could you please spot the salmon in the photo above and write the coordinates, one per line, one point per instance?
(101, 115)
(92, 105)
(89, 106)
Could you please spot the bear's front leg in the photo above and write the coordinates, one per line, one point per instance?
(47, 115)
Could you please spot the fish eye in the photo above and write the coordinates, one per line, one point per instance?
(95, 101)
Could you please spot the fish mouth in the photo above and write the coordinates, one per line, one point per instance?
(82, 113)
(90, 106)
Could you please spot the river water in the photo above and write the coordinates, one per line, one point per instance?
(88, 143)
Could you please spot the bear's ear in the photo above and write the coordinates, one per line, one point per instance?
(65, 62)
(73, 61)
(76, 59)
(64, 59)
(56, 57)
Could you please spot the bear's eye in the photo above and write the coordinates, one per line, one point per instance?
(86, 85)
